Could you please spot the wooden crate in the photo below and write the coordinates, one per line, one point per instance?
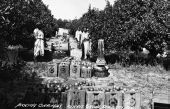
(86, 69)
(76, 99)
(75, 70)
(95, 99)
(52, 70)
(161, 106)
(161, 99)
(132, 100)
(83, 71)
(86, 72)
(113, 100)
(64, 70)
(89, 72)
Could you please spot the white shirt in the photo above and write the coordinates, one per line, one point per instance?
(85, 35)
(40, 34)
(78, 33)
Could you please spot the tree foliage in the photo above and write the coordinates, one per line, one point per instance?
(128, 24)
(18, 19)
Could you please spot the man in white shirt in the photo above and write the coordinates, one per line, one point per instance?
(84, 36)
(78, 37)
(85, 44)
(78, 34)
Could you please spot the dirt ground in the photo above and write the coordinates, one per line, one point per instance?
(152, 81)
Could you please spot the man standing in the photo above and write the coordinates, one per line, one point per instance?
(85, 44)
(78, 36)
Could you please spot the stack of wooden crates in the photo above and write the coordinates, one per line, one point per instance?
(70, 68)
(81, 99)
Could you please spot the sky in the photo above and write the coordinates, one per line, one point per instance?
(72, 9)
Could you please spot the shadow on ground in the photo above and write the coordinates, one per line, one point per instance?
(15, 80)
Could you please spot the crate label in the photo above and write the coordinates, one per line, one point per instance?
(95, 99)
(74, 70)
(76, 99)
(132, 100)
(63, 70)
(113, 100)
(52, 70)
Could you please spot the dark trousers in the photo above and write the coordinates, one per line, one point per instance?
(82, 46)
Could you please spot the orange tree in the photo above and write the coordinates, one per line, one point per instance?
(141, 23)
(128, 24)
(18, 18)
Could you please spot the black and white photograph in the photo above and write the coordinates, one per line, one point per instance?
(84, 54)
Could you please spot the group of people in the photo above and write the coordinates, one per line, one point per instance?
(84, 42)
(82, 35)
(83, 39)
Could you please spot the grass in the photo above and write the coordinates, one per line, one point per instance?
(151, 80)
